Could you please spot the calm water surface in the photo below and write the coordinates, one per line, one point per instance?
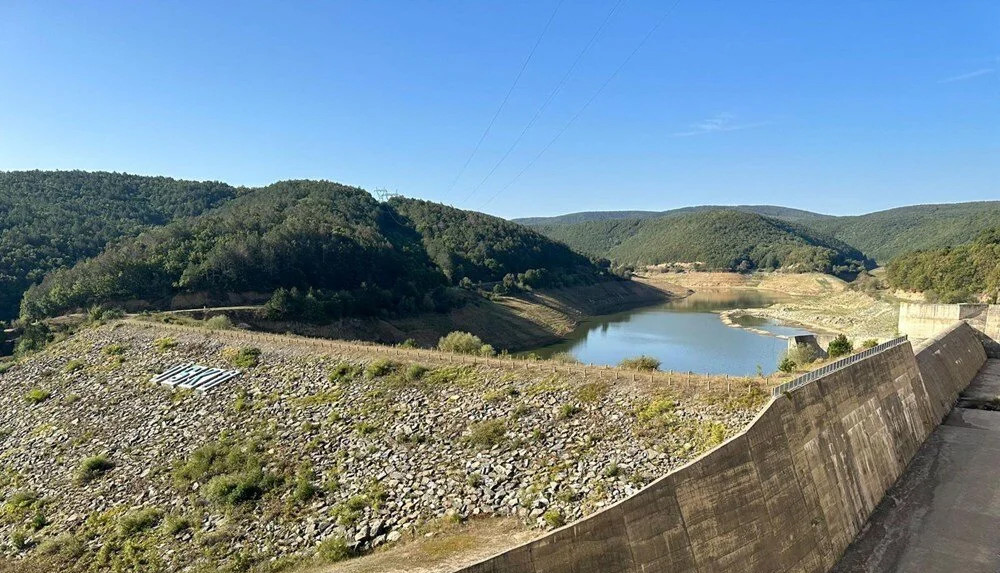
(686, 335)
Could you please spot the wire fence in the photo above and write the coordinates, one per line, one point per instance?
(686, 382)
(838, 365)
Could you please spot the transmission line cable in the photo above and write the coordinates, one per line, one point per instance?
(505, 98)
(548, 100)
(638, 47)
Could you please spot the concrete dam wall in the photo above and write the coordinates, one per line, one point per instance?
(789, 493)
(921, 321)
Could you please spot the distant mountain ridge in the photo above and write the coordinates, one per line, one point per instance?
(787, 213)
(720, 239)
(881, 235)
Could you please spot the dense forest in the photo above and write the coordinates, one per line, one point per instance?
(480, 248)
(320, 250)
(886, 234)
(51, 219)
(881, 235)
(966, 273)
(719, 238)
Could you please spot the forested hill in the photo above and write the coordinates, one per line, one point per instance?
(718, 238)
(50, 219)
(483, 248)
(881, 235)
(323, 250)
(884, 235)
(786, 213)
(965, 273)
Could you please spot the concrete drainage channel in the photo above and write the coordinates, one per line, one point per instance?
(195, 377)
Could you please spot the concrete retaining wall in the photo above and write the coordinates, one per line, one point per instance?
(922, 321)
(789, 493)
(947, 363)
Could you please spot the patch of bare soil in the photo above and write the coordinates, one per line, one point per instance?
(444, 551)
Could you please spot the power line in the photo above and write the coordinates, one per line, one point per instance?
(505, 98)
(645, 39)
(545, 104)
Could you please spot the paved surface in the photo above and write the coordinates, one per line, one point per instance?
(943, 514)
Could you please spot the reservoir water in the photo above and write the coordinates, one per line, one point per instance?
(686, 335)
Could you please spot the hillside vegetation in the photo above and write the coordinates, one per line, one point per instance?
(483, 248)
(786, 213)
(881, 235)
(319, 251)
(720, 239)
(886, 234)
(960, 274)
(52, 219)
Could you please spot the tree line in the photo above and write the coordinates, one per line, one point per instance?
(965, 273)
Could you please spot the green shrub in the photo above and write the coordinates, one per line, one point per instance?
(657, 414)
(786, 364)
(6, 365)
(408, 343)
(39, 521)
(74, 365)
(114, 349)
(464, 343)
(870, 343)
(234, 472)
(840, 346)
(612, 470)
(365, 428)
(333, 549)
(93, 468)
(344, 371)
(304, 487)
(592, 392)
(164, 344)
(37, 396)
(715, 434)
(646, 363)
(219, 322)
(175, 524)
(66, 547)
(801, 355)
(238, 488)
(22, 499)
(19, 539)
(380, 367)
(567, 411)
(554, 518)
(245, 357)
(139, 521)
(487, 434)
(415, 372)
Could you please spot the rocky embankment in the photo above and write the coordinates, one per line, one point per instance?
(855, 314)
(308, 455)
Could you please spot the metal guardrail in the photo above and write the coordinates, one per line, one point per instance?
(834, 366)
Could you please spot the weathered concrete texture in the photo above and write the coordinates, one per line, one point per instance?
(948, 361)
(922, 321)
(944, 512)
(788, 494)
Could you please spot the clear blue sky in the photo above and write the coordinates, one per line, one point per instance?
(838, 107)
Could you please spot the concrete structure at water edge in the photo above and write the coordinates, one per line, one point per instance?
(790, 492)
(923, 321)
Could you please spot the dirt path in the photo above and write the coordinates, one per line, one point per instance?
(446, 551)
